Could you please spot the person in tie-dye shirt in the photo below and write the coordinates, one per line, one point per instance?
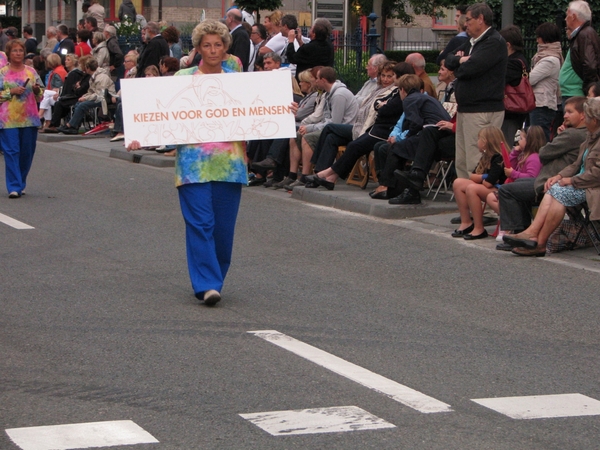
(20, 91)
(209, 178)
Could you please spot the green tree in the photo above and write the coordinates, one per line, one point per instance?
(397, 8)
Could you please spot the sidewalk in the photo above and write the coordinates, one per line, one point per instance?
(430, 216)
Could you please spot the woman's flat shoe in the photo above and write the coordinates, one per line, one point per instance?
(462, 233)
(326, 184)
(381, 195)
(519, 242)
(521, 251)
(472, 237)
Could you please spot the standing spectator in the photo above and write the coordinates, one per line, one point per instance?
(100, 52)
(545, 67)
(3, 39)
(240, 45)
(127, 9)
(91, 24)
(12, 33)
(156, 47)
(460, 38)
(114, 51)
(171, 35)
(583, 58)
(318, 52)
(64, 45)
(30, 42)
(417, 61)
(276, 42)
(51, 40)
(480, 70)
(96, 10)
(20, 90)
(514, 73)
(258, 37)
(83, 48)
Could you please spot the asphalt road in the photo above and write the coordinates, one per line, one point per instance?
(98, 321)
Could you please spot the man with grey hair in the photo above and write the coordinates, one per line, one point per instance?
(51, 40)
(582, 62)
(370, 86)
(240, 40)
(114, 51)
(417, 61)
(156, 47)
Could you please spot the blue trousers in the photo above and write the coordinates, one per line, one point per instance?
(19, 147)
(210, 211)
(79, 112)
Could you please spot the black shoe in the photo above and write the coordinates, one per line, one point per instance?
(382, 195)
(256, 181)
(517, 242)
(311, 183)
(456, 220)
(69, 130)
(411, 179)
(326, 184)
(408, 197)
(504, 247)
(266, 164)
(473, 237)
(463, 233)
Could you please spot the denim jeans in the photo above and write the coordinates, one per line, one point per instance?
(79, 113)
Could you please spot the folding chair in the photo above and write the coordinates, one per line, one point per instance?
(363, 170)
(582, 216)
(444, 167)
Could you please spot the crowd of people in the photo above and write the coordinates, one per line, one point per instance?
(508, 159)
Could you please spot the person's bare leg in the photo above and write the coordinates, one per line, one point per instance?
(492, 202)
(295, 155)
(307, 153)
(537, 224)
(476, 193)
(460, 187)
(555, 215)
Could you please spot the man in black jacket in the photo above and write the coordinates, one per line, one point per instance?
(65, 45)
(156, 47)
(114, 51)
(240, 40)
(480, 69)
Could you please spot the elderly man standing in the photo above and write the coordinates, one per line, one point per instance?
(51, 40)
(156, 47)
(480, 69)
(114, 51)
(240, 41)
(417, 61)
(583, 58)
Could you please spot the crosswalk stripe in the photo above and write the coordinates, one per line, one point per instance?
(396, 391)
(14, 223)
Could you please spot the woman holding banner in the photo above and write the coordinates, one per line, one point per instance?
(209, 178)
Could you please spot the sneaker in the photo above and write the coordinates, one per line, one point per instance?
(500, 234)
(211, 297)
(295, 183)
(282, 183)
(270, 182)
(14, 195)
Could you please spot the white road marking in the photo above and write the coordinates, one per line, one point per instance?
(395, 391)
(14, 223)
(316, 420)
(543, 406)
(80, 435)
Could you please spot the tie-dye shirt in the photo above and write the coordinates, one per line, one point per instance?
(3, 60)
(210, 161)
(19, 111)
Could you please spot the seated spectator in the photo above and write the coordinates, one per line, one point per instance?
(487, 176)
(168, 66)
(100, 85)
(373, 118)
(339, 106)
(373, 67)
(83, 48)
(524, 160)
(151, 71)
(56, 79)
(100, 51)
(76, 84)
(517, 199)
(575, 184)
(435, 142)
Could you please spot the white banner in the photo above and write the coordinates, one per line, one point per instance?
(208, 108)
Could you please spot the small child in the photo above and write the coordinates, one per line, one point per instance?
(525, 158)
(484, 180)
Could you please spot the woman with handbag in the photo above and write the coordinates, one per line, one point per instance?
(517, 71)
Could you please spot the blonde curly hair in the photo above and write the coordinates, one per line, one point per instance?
(210, 26)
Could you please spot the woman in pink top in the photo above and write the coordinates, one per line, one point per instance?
(20, 91)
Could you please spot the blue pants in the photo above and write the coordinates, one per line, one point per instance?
(210, 211)
(19, 147)
(79, 112)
